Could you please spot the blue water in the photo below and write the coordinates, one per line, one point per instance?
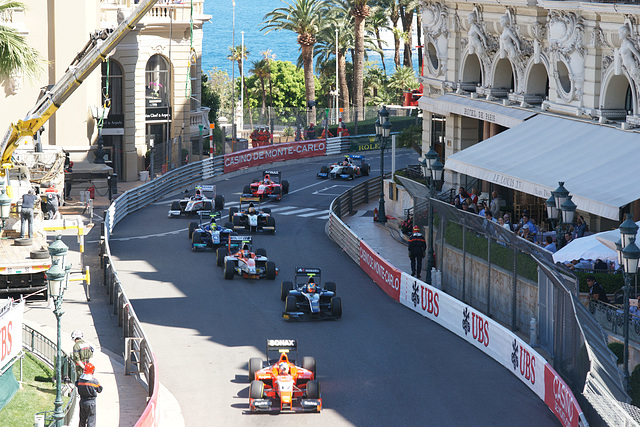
(249, 14)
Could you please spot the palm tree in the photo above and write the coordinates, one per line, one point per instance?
(305, 18)
(261, 71)
(268, 56)
(404, 79)
(378, 21)
(407, 8)
(16, 56)
(360, 11)
(239, 54)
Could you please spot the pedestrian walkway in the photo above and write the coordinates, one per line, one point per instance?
(124, 398)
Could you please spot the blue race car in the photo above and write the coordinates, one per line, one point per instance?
(346, 169)
(209, 235)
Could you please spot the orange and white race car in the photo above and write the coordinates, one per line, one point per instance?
(281, 384)
(239, 258)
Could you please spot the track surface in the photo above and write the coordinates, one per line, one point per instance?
(380, 365)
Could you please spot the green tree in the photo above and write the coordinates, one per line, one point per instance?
(306, 19)
(403, 80)
(216, 93)
(16, 56)
(407, 8)
(360, 11)
(379, 21)
(375, 83)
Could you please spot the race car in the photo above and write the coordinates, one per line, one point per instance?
(205, 235)
(281, 384)
(248, 217)
(238, 258)
(306, 299)
(270, 186)
(346, 169)
(198, 202)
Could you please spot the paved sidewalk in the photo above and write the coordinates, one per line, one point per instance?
(124, 398)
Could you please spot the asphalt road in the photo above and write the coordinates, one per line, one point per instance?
(379, 365)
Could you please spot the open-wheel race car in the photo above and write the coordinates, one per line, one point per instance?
(204, 199)
(208, 234)
(248, 217)
(346, 169)
(270, 186)
(281, 384)
(306, 299)
(239, 258)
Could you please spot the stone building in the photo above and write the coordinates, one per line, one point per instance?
(153, 76)
(519, 96)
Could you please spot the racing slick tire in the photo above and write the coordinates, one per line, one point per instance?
(247, 189)
(261, 252)
(290, 304)
(220, 254)
(207, 206)
(309, 363)
(271, 222)
(285, 287)
(365, 169)
(336, 307)
(196, 238)
(229, 269)
(228, 225)
(267, 210)
(255, 364)
(39, 254)
(218, 202)
(325, 169)
(313, 390)
(192, 228)
(237, 223)
(277, 191)
(175, 206)
(271, 270)
(285, 187)
(352, 175)
(256, 389)
(232, 211)
(330, 286)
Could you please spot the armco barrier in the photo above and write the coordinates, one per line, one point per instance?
(469, 324)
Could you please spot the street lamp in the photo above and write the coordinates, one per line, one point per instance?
(383, 129)
(57, 285)
(629, 254)
(58, 250)
(5, 208)
(560, 210)
(432, 168)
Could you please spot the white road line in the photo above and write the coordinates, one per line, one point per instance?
(324, 217)
(297, 211)
(322, 212)
(283, 208)
(360, 213)
(122, 239)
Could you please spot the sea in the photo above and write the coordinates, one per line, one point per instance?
(221, 31)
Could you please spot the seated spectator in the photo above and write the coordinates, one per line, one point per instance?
(473, 208)
(550, 245)
(482, 207)
(600, 265)
(525, 233)
(583, 264)
(568, 238)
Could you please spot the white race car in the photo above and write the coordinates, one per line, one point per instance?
(198, 202)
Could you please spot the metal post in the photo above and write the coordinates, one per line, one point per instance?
(514, 293)
(431, 262)
(58, 414)
(488, 275)
(464, 262)
(382, 216)
(627, 286)
(200, 143)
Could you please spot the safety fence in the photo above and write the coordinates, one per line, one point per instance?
(46, 350)
(581, 365)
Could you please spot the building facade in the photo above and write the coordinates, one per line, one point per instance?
(151, 81)
(521, 95)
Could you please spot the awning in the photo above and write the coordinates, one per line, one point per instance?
(475, 108)
(598, 164)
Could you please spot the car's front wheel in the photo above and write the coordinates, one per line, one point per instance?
(220, 254)
(229, 269)
(256, 389)
(285, 288)
(290, 304)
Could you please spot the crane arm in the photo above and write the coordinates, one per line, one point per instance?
(100, 45)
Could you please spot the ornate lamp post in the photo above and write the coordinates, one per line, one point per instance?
(5, 208)
(560, 210)
(630, 254)
(433, 168)
(56, 280)
(383, 130)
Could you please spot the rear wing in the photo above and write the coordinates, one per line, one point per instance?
(249, 199)
(207, 189)
(236, 242)
(304, 273)
(277, 346)
(273, 175)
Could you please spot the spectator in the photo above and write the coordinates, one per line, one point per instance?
(473, 208)
(568, 238)
(474, 196)
(600, 265)
(489, 216)
(494, 206)
(461, 197)
(482, 208)
(507, 222)
(580, 227)
(525, 220)
(550, 245)
(525, 233)
(596, 292)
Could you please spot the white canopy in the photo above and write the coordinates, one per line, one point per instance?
(598, 164)
(587, 247)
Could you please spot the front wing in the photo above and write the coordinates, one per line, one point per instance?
(301, 405)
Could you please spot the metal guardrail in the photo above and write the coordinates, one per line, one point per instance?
(592, 373)
(46, 350)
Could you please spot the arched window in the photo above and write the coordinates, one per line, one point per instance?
(113, 71)
(157, 82)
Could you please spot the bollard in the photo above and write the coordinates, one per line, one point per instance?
(38, 420)
(533, 336)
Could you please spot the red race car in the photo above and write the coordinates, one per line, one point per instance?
(280, 384)
(270, 186)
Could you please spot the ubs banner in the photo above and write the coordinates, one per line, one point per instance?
(274, 153)
(10, 332)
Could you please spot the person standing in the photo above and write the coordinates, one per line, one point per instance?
(26, 213)
(88, 389)
(596, 292)
(494, 206)
(417, 248)
(82, 351)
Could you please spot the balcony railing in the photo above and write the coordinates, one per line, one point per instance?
(163, 11)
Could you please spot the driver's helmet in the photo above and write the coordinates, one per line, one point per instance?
(245, 250)
(267, 179)
(311, 286)
(283, 368)
(198, 194)
(252, 209)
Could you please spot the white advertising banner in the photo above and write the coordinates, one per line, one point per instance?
(10, 333)
(484, 333)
